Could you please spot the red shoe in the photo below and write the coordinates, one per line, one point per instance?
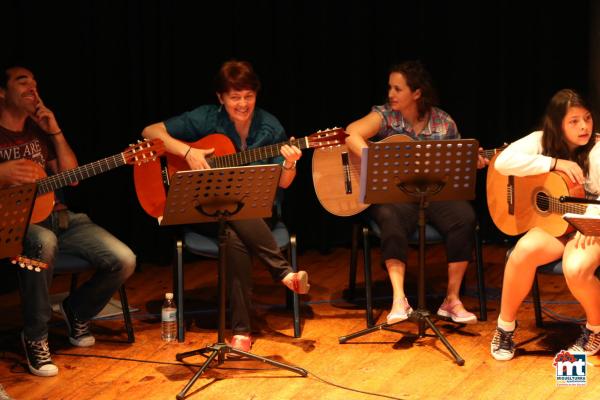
(241, 342)
(297, 282)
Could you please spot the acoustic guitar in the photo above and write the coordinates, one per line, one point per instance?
(517, 204)
(336, 177)
(137, 154)
(152, 179)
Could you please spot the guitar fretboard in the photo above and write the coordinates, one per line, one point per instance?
(252, 155)
(554, 205)
(68, 177)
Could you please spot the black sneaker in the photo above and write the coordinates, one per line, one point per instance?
(503, 347)
(79, 331)
(588, 343)
(38, 357)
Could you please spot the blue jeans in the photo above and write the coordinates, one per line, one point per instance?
(114, 263)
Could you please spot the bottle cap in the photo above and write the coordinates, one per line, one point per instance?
(169, 296)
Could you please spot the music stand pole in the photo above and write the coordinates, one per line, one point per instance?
(444, 170)
(223, 200)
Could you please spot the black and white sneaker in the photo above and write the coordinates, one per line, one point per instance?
(503, 346)
(38, 357)
(588, 342)
(79, 331)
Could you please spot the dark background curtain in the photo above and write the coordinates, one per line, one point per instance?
(109, 68)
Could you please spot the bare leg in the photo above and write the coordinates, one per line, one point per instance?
(579, 265)
(536, 248)
(396, 270)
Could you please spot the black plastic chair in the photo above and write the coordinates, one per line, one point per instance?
(208, 246)
(367, 227)
(70, 264)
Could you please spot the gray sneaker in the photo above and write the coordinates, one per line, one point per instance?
(38, 357)
(588, 342)
(503, 346)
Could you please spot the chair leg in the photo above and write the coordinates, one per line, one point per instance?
(178, 288)
(74, 278)
(295, 297)
(480, 277)
(368, 277)
(126, 314)
(537, 305)
(353, 262)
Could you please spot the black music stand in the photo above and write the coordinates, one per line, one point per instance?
(418, 171)
(220, 195)
(16, 204)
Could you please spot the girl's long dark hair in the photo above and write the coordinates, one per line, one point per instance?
(553, 140)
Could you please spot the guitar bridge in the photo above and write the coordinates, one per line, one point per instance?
(510, 193)
(347, 178)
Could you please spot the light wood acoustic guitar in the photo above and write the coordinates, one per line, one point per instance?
(336, 177)
(139, 153)
(517, 204)
(152, 179)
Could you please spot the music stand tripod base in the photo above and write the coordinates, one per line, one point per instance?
(221, 195)
(418, 172)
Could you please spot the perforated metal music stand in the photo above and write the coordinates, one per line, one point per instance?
(418, 172)
(16, 204)
(220, 195)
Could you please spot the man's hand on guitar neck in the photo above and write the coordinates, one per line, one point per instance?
(570, 168)
(482, 162)
(18, 172)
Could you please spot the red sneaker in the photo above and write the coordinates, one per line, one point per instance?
(297, 282)
(241, 342)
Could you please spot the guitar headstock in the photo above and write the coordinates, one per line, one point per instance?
(144, 151)
(29, 263)
(328, 137)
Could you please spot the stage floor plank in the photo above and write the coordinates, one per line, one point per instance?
(386, 363)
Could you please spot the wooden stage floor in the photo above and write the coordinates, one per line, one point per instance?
(383, 364)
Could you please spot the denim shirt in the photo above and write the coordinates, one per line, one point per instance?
(193, 125)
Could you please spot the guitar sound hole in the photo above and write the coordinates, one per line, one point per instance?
(542, 201)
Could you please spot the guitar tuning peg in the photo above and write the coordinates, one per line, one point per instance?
(37, 269)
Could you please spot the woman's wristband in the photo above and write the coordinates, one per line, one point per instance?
(553, 165)
(187, 152)
(288, 168)
(55, 134)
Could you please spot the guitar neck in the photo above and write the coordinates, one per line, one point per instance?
(489, 153)
(65, 178)
(252, 155)
(557, 207)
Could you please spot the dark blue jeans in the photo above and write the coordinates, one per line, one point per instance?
(114, 263)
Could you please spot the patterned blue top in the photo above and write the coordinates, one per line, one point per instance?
(439, 127)
(193, 125)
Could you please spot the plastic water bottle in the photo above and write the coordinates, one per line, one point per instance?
(169, 319)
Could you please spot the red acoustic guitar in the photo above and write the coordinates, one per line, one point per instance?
(152, 178)
(517, 204)
(138, 153)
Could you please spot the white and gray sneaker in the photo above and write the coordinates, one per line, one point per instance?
(588, 342)
(503, 346)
